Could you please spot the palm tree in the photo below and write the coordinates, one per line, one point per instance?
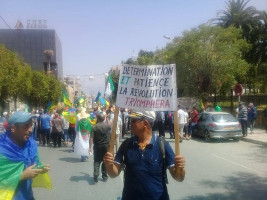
(239, 16)
(253, 25)
(258, 53)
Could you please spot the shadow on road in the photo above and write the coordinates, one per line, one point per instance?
(71, 159)
(242, 186)
(84, 177)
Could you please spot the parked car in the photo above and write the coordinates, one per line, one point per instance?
(218, 125)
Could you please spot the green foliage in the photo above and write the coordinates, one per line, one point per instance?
(210, 57)
(40, 91)
(145, 57)
(19, 82)
(55, 89)
(253, 24)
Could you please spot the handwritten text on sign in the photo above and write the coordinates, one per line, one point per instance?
(147, 87)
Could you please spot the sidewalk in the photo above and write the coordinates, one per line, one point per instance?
(259, 136)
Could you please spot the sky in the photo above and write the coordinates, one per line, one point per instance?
(98, 34)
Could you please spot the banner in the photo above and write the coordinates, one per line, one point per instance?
(147, 88)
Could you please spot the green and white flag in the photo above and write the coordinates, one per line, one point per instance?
(110, 87)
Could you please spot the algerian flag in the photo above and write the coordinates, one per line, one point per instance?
(110, 87)
(13, 161)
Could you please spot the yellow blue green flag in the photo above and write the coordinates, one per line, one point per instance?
(13, 161)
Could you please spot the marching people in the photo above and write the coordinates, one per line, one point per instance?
(160, 118)
(186, 119)
(192, 122)
(19, 147)
(170, 124)
(72, 133)
(83, 131)
(252, 115)
(181, 121)
(57, 129)
(144, 171)
(65, 131)
(243, 117)
(100, 138)
(118, 129)
(124, 118)
(45, 124)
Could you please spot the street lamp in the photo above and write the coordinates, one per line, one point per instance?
(167, 37)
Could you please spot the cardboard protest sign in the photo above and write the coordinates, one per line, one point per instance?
(149, 88)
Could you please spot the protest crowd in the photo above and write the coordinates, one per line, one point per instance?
(136, 144)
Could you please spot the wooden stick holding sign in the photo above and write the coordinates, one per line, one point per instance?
(113, 132)
(176, 133)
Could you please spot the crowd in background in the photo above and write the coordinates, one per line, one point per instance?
(53, 127)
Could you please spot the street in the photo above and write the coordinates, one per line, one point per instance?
(218, 170)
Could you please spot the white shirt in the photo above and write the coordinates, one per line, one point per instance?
(119, 124)
(181, 117)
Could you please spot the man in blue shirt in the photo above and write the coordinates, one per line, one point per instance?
(45, 124)
(144, 175)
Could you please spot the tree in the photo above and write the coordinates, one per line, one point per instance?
(14, 75)
(239, 16)
(45, 89)
(55, 89)
(253, 24)
(40, 90)
(21, 86)
(208, 58)
(145, 57)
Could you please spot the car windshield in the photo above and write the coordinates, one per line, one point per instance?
(223, 118)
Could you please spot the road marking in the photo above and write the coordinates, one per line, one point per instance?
(235, 163)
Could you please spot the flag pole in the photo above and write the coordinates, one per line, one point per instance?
(176, 133)
(113, 132)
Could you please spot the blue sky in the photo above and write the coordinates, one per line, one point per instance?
(97, 35)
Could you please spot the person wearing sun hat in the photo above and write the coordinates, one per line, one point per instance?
(83, 131)
(144, 164)
(18, 158)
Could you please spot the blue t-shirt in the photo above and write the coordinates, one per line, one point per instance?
(45, 121)
(144, 174)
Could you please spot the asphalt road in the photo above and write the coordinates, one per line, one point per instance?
(225, 170)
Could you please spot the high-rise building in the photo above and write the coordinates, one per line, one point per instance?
(30, 44)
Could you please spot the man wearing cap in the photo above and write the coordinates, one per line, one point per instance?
(18, 148)
(144, 174)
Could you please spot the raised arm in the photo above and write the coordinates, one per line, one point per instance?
(178, 171)
(113, 169)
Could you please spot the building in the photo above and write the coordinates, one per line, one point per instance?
(30, 44)
(73, 87)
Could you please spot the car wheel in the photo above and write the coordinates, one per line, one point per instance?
(236, 139)
(206, 135)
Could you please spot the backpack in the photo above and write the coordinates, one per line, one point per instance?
(161, 142)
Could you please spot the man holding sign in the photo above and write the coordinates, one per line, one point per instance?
(141, 154)
(145, 156)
